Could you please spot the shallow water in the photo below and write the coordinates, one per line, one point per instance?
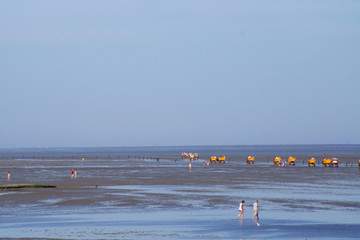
(143, 198)
(167, 224)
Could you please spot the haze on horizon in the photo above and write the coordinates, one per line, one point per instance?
(173, 73)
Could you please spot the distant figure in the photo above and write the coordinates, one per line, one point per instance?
(9, 176)
(256, 210)
(241, 210)
(72, 173)
(75, 173)
(203, 162)
(189, 166)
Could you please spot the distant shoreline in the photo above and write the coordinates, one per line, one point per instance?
(347, 153)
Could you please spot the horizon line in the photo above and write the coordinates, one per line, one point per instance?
(159, 146)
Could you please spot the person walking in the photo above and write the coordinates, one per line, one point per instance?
(241, 210)
(256, 210)
(9, 176)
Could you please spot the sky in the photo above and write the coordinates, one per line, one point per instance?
(179, 73)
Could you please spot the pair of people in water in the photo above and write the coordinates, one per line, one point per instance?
(73, 173)
(255, 208)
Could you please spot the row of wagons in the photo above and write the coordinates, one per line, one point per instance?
(326, 162)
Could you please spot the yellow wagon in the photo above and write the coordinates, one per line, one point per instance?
(250, 160)
(334, 162)
(311, 162)
(291, 160)
(326, 162)
(222, 159)
(277, 160)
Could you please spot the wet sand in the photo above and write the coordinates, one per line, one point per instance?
(159, 198)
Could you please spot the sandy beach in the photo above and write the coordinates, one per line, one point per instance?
(157, 197)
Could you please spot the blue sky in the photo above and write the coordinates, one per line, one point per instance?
(158, 73)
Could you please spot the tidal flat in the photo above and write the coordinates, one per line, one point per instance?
(150, 197)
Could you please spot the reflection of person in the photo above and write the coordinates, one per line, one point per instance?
(256, 210)
(9, 176)
(241, 210)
